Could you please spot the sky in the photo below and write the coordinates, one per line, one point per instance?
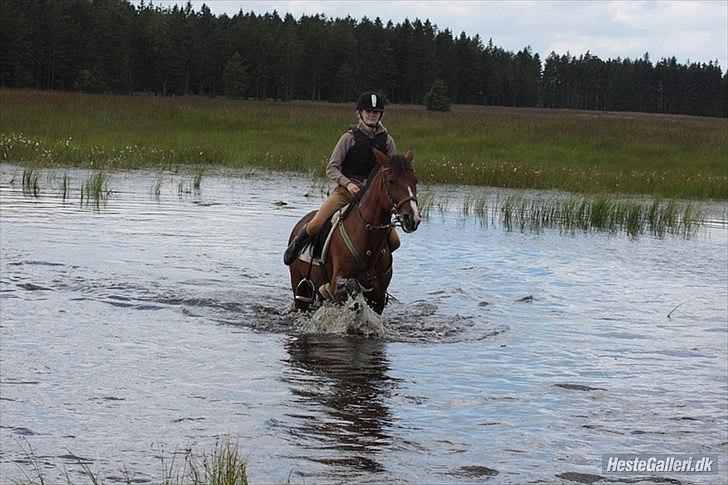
(695, 31)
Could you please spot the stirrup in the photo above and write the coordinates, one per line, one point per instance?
(304, 291)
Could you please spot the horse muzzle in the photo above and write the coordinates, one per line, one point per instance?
(409, 223)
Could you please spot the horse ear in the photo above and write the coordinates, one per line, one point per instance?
(409, 155)
(381, 156)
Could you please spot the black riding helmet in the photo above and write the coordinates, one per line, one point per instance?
(370, 101)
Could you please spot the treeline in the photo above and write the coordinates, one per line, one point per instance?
(115, 46)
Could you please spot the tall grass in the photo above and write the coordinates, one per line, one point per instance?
(578, 151)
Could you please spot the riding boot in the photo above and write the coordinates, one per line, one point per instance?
(295, 247)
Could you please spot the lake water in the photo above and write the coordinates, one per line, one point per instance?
(160, 321)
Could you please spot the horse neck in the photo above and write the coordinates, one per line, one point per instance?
(373, 206)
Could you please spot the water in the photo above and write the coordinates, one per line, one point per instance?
(154, 323)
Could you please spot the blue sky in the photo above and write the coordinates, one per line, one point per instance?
(689, 30)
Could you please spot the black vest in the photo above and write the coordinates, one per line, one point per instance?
(359, 160)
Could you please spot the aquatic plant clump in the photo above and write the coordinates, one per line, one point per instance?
(95, 190)
(602, 213)
(30, 182)
(224, 465)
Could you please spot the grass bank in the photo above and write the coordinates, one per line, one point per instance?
(578, 151)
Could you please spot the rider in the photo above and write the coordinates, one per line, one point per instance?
(349, 166)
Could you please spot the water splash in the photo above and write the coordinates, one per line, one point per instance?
(354, 317)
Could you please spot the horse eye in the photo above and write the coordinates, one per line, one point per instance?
(390, 182)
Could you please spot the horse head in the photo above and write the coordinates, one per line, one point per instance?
(400, 182)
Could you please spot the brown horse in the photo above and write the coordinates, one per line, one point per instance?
(358, 257)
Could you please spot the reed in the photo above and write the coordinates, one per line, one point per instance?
(578, 151)
(480, 207)
(442, 204)
(318, 185)
(183, 188)
(64, 187)
(95, 190)
(197, 181)
(156, 188)
(30, 182)
(575, 213)
(223, 466)
(425, 202)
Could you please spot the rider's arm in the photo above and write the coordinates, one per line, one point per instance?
(333, 169)
(391, 147)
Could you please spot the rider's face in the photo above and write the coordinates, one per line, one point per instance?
(370, 117)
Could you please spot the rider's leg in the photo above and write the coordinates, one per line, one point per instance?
(338, 198)
(393, 240)
(295, 247)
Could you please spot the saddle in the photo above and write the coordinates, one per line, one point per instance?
(316, 250)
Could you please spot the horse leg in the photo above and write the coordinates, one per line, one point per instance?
(297, 275)
(377, 300)
(345, 288)
(298, 268)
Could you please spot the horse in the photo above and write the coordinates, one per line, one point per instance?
(358, 256)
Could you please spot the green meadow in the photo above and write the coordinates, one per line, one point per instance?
(588, 152)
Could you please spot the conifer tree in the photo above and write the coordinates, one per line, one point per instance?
(436, 98)
(235, 76)
(122, 46)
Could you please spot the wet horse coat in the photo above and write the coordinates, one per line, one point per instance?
(358, 256)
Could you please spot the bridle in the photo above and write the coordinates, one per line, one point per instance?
(394, 209)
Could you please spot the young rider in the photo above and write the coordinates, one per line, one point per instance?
(349, 166)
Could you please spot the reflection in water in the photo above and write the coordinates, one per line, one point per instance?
(341, 383)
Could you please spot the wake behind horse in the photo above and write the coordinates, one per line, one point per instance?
(358, 256)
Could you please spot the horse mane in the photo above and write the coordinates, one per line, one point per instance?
(397, 163)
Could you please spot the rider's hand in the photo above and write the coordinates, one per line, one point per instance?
(352, 187)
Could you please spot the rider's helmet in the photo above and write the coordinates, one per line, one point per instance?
(370, 101)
